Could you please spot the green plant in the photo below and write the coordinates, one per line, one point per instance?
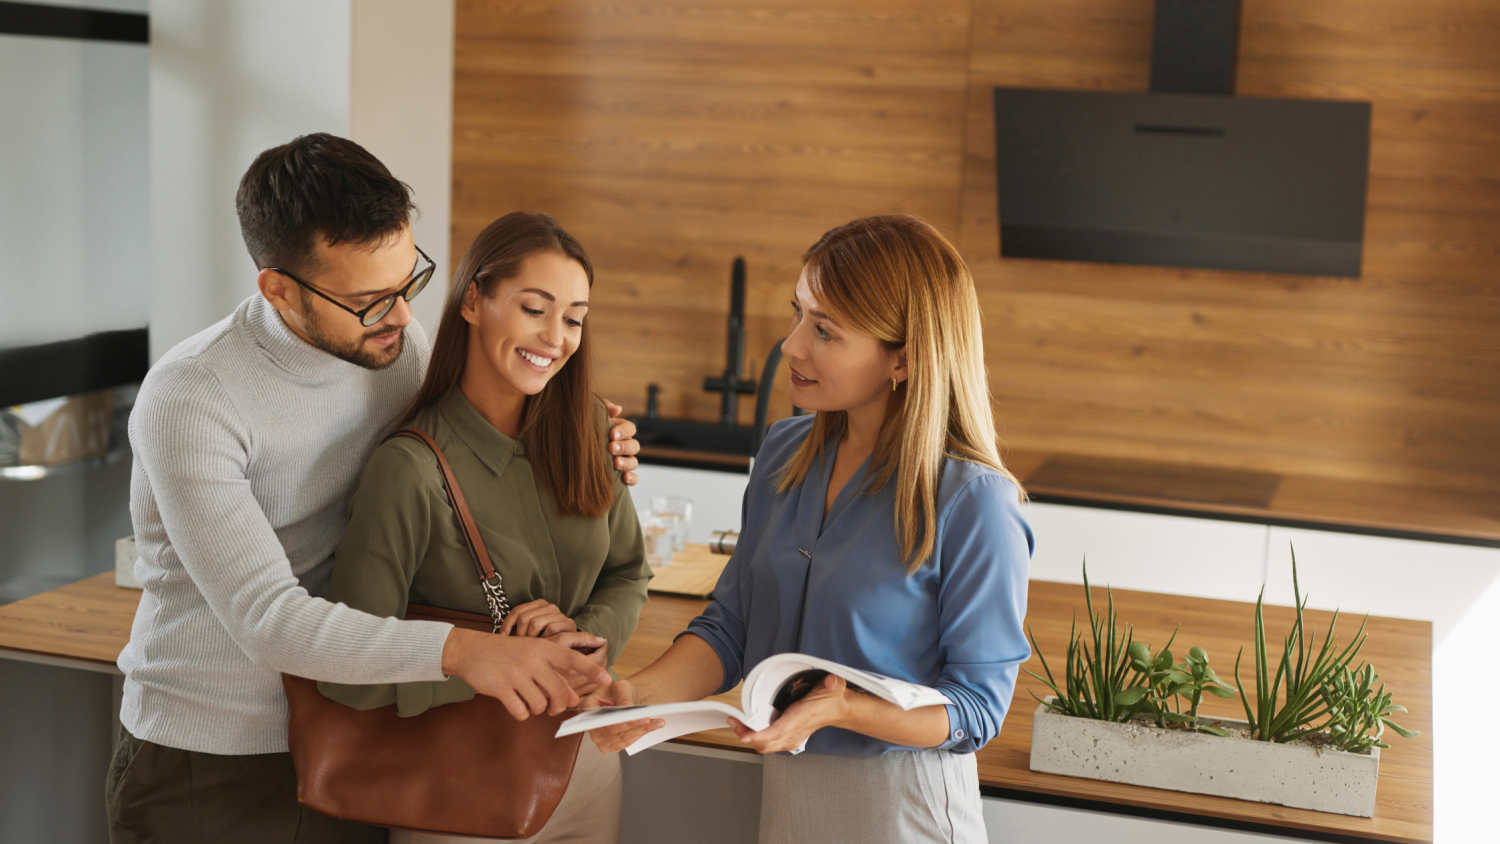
(1273, 719)
(1356, 708)
(1153, 671)
(1098, 682)
(1187, 680)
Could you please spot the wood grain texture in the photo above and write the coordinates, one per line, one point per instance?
(1147, 479)
(87, 620)
(91, 620)
(1305, 500)
(1393, 378)
(670, 136)
(694, 572)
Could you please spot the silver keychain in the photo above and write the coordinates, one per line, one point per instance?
(494, 595)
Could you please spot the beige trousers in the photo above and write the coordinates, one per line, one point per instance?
(589, 812)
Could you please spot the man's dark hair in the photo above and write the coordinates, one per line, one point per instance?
(316, 185)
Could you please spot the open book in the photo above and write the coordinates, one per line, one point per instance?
(772, 686)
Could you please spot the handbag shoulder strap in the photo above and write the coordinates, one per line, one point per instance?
(489, 579)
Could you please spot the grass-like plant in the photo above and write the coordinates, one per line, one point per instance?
(1302, 672)
(1358, 711)
(1099, 680)
(1108, 676)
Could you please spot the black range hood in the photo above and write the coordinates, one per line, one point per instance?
(1187, 175)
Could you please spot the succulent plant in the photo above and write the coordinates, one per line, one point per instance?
(1187, 680)
(1357, 710)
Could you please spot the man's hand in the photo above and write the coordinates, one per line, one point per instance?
(591, 646)
(529, 676)
(538, 619)
(620, 736)
(825, 706)
(622, 442)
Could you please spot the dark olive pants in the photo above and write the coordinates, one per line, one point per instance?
(161, 795)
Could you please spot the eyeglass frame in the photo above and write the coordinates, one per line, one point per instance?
(423, 276)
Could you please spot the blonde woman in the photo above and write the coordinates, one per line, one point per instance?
(883, 532)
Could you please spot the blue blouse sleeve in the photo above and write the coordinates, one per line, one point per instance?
(722, 623)
(985, 554)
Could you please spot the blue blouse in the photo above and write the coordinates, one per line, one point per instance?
(837, 588)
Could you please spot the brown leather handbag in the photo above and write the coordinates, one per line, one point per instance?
(466, 768)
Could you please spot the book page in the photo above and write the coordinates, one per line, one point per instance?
(768, 677)
(681, 719)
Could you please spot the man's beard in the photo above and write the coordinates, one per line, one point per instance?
(355, 352)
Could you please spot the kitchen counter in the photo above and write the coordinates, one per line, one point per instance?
(86, 624)
(1288, 500)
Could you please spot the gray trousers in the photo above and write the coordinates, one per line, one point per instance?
(901, 797)
(161, 795)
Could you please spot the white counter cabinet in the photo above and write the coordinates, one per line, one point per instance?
(676, 794)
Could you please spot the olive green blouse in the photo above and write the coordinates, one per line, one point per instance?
(404, 544)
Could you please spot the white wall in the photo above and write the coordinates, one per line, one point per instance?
(73, 155)
(716, 496)
(401, 109)
(234, 77)
(228, 80)
(1464, 678)
(74, 260)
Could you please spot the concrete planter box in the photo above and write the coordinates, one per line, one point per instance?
(1286, 774)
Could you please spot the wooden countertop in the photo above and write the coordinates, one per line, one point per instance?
(1324, 503)
(88, 623)
(1313, 501)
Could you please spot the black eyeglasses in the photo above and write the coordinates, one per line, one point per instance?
(376, 311)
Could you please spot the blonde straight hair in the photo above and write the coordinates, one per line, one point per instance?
(898, 280)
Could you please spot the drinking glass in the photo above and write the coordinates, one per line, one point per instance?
(659, 533)
(679, 507)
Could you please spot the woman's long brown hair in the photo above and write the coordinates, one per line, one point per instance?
(559, 425)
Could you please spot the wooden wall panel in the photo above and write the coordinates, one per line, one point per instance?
(1391, 377)
(670, 136)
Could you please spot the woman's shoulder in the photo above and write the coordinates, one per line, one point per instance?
(783, 439)
(965, 479)
(401, 461)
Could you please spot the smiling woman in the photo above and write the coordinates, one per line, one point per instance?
(513, 319)
(507, 400)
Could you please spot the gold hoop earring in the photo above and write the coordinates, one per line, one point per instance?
(893, 385)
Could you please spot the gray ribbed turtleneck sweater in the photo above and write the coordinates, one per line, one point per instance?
(248, 444)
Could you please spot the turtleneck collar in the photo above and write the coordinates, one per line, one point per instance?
(283, 346)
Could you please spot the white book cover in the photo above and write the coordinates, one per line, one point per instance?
(771, 687)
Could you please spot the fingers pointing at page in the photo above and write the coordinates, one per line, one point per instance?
(527, 675)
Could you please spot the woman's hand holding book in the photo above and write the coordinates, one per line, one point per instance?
(620, 736)
(827, 705)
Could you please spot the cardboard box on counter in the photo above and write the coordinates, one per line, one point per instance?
(60, 430)
(125, 557)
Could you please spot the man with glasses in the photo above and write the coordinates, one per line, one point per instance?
(249, 439)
